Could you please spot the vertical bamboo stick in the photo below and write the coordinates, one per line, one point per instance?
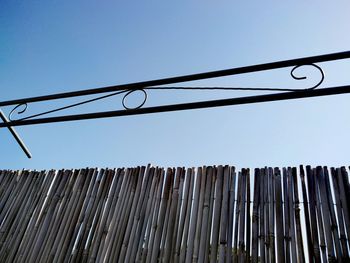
(194, 215)
(217, 209)
(172, 217)
(343, 201)
(300, 246)
(200, 216)
(183, 237)
(178, 211)
(248, 217)
(334, 224)
(224, 216)
(336, 191)
(183, 215)
(326, 214)
(262, 216)
(241, 251)
(211, 213)
(206, 211)
(166, 220)
(267, 214)
(346, 183)
(319, 215)
(279, 216)
(271, 188)
(291, 214)
(313, 217)
(231, 214)
(187, 219)
(306, 214)
(286, 215)
(255, 217)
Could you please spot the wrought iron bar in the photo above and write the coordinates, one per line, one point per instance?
(188, 106)
(186, 78)
(127, 89)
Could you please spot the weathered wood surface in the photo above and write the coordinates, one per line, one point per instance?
(152, 214)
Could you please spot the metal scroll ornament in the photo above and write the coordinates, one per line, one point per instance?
(17, 110)
(304, 77)
(21, 108)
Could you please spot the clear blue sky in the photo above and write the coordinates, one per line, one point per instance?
(56, 46)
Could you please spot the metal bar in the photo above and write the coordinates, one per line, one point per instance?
(15, 135)
(188, 106)
(186, 78)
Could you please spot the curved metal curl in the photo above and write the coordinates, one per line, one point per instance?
(304, 77)
(140, 105)
(18, 112)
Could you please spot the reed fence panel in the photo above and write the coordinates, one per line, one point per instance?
(155, 214)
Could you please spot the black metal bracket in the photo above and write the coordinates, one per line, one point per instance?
(21, 105)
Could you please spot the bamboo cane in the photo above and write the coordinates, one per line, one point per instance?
(217, 214)
(300, 247)
(200, 216)
(224, 215)
(334, 224)
(205, 222)
(313, 217)
(279, 217)
(231, 214)
(194, 216)
(255, 216)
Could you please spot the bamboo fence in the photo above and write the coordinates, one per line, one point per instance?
(152, 214)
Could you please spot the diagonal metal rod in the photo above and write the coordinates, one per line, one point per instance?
(188, 106)
(15, 135)
(186, 78)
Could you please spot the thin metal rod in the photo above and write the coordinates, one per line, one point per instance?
(186, 78)
(15, 135)
(188, 106)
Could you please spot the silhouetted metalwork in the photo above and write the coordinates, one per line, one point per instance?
(21, 105)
